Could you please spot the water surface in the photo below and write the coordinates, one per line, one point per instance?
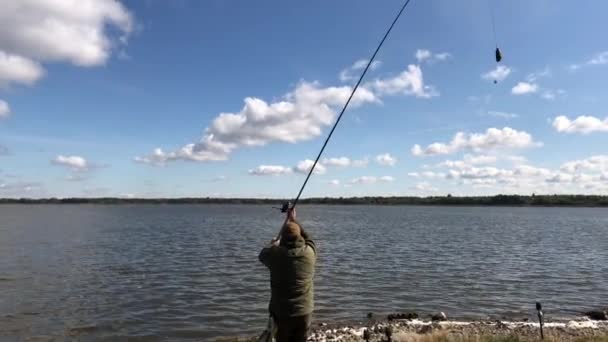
(190, 272)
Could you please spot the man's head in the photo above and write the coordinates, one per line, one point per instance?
(291, 231)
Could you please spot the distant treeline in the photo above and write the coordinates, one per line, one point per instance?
(498, 200)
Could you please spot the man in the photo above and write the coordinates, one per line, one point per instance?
(291, 261)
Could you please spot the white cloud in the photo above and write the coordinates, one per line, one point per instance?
(344, 162)
(425, 187)
(443, 56)
(340, 161)
(500, 73)
(270, 170)
(386, 159)
(587, 175)
(427, 174)
(524, 88)
(75, 163)
(433, 175)
(304, 166)
(386, 179)
(334, 182)
(5, 110)
(503, 115)
(364, 180)
(360, 162)
(301, 115)
(158, 158)
(479, 159)
(422, 55)
(582, 124)
(21, 189)
(72, 30)
(560, 178)
(527, 170)
(548, 95)
(492, 139)
(206, 150)
(409, 82)
(597, 163)
(337, 161)
(600, 58)
(533, 77)
(36, 31)
(468, 161)
(17, 69)
(483, 182)
(479, 172)
(76, 177)
(348, 73)
(371, 179)
(426, 55)
(531, 86)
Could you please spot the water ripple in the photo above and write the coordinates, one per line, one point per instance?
(158, 273)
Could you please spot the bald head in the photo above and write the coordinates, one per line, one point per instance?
(291, 231)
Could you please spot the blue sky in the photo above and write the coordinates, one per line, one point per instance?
(230, 98)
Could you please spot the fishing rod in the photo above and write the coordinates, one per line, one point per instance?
(286, 207)
(539, 310)
(289, 206)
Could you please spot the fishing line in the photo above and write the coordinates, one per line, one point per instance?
(491, 3)
(497, 52)
(369, 63)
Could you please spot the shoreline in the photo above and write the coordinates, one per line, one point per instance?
(416, 330)
(552, 200)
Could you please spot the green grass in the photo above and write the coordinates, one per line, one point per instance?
(594, 339)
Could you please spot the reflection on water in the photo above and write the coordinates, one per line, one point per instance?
(191, 272)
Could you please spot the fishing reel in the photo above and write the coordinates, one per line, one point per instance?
(284, 208)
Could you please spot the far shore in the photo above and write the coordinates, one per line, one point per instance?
(448, 200)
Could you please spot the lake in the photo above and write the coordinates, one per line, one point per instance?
(190, 272)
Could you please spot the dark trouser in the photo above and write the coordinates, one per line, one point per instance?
(293, 329)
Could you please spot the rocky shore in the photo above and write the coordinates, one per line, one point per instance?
(415, 330)
(410, 328)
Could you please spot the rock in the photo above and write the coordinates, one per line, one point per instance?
(439, 317)
(500, 324)
(427, 329)
(409, 315)
(388, 331)
(366, 335)
(597, 315)
(436, 326)
(370, 315)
